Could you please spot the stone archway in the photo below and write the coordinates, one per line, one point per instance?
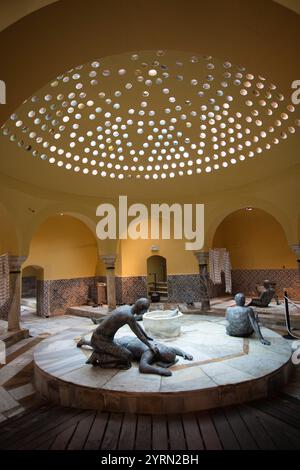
(32, 288)
(259, 249)
(66, 249)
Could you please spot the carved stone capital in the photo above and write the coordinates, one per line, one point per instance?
(296, 250)
(15, 262)
(202, 257)
(109, 261)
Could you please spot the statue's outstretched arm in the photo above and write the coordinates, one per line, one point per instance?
(144, 332)
(180, 352)
(140, 333)
(256, 327)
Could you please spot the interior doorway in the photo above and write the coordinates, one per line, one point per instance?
(157, 276)
(31, 275)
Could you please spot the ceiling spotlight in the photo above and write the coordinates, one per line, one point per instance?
(249, 208)
(152, 72)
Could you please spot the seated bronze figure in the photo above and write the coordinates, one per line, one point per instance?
(242, 320)
(265, 297)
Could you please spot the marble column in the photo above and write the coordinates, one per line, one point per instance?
(15, 263)
(109, 262)
(202, 258)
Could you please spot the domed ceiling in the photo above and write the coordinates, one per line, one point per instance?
(153, 115)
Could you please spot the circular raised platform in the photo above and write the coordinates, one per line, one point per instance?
(224, 371)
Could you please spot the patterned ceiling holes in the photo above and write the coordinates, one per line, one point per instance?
(152, 115)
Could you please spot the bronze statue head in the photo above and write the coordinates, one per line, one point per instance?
(141, 306)
(240, 299)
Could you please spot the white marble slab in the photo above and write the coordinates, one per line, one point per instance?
(218, 359)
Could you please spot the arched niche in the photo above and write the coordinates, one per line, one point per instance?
(157, 275)
(31, 293)
(255, 240)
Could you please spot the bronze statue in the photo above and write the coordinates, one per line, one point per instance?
(138, 309)
(107, 352)
(150, 362)
(265, 297)
(242, 320)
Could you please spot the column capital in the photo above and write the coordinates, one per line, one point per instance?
(15, 262)
(202, 257)
(296, 249)
(109, 261)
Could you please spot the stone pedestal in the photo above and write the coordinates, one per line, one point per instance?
(109, 261)
(15, 263)
(202, 258)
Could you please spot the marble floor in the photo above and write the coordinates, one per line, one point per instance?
(17, 392)
(219, 362)
(16, 376)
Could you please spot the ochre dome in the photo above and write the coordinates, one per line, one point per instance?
(152, 115)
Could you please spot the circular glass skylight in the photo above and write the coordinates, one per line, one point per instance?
(152, 115)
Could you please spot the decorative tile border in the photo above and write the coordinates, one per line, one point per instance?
(43, 298)
(245, 280)
(54, 297)
(181, 288)
(184, 288)
(131, 288)
(4, 309)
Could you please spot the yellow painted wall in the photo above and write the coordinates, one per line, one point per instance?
(134, 254)
(8, 237)
(279, 195)
(65, 248)
(255, 240)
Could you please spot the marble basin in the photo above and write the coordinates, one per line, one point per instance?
(163, 323)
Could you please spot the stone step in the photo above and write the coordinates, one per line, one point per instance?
(12, 337)
(87, 312)
(21, 347)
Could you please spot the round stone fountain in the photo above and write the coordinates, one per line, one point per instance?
(163, 323)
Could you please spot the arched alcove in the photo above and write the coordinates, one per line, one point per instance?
(255, 239)
(258, 250)
(66, 249)
(32, 279)
(157, 276)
